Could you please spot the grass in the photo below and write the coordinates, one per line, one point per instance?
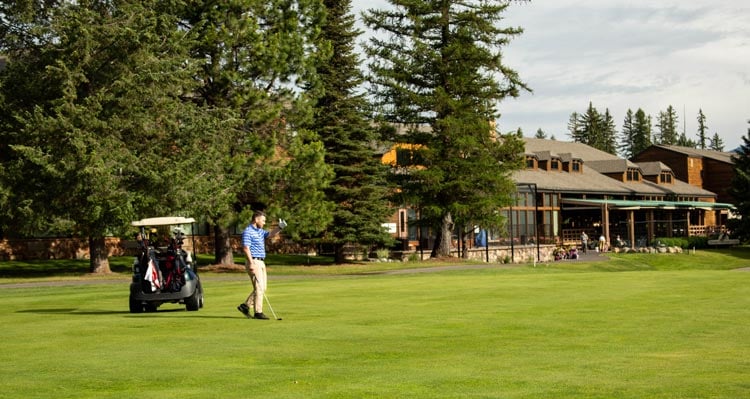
(671, 327)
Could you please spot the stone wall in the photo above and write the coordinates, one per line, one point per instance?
(499, 254)
(60, 248)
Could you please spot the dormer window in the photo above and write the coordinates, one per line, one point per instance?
(530, 163)
(576, 166)
(665, 177)
(633, 175)
(555, 164)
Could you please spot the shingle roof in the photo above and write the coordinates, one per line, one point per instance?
(591, 179)
(653, 168)
(611, 166)
(696, 152)
(579, 150)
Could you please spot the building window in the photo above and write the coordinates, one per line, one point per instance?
(555, 165)
(633, 175)
(666, 177)
(407, 157)
(576, 166)
(403, 157)
(530, 163)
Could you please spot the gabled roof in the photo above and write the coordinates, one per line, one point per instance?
(698, 153)
(653, 168)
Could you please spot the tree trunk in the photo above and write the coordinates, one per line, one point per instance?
(222, 246)
(98, 257)
(464, 249)
(338, 254)
(443, 243)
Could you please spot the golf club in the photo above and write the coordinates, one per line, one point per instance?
(271, 307)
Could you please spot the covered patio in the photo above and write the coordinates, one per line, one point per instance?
(639, 221)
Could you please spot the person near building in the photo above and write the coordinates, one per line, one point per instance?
(584, 241)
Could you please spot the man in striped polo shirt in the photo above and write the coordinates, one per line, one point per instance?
(254, 247)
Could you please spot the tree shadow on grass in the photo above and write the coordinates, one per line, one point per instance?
(75, 311)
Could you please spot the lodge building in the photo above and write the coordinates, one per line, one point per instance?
(568, 188)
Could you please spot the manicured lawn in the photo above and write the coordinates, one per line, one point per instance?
(569, 330)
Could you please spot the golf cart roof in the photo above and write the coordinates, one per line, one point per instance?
(162, 221)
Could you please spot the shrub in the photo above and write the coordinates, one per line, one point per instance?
(682, 242)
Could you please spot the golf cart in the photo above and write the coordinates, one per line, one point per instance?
(162, 271)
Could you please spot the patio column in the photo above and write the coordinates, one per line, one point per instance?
(631, 228)
(650, 224)
(605, 218)
(669, 223)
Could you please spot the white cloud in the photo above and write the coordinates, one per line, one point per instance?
(622, 54)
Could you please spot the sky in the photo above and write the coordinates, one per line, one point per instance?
(627, 54)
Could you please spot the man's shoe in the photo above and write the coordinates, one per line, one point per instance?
(261, 316)
(244, 310)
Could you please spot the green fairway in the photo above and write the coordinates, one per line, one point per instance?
(488, 333)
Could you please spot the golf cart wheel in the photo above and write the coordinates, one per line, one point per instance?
(150, 307)
(194, 302)
(135, 306)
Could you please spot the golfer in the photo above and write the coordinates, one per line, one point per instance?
(254, 246)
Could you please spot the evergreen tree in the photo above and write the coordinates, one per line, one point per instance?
(252, 56)
(540, 134)
(609, 134)
(597, 129)
(740, 189)
(627, 137)
(575, 130)
(641, 131)
(441, 66)
(90, 111)
(685, 142)
(702, 130)
(717, 144)
(359, 189)
(667, 124)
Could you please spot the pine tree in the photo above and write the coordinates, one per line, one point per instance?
(667, 124)
(441, 66)
(540, 134)
(359, 189)
(609, 134)
(717, 144)
(597, 129)
(628, 136)
(641, 131)
(683, 141)
(740, 188)
(702, 130)
(574, 128)
(252, 56)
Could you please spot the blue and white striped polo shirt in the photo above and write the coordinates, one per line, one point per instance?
(255, 239)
